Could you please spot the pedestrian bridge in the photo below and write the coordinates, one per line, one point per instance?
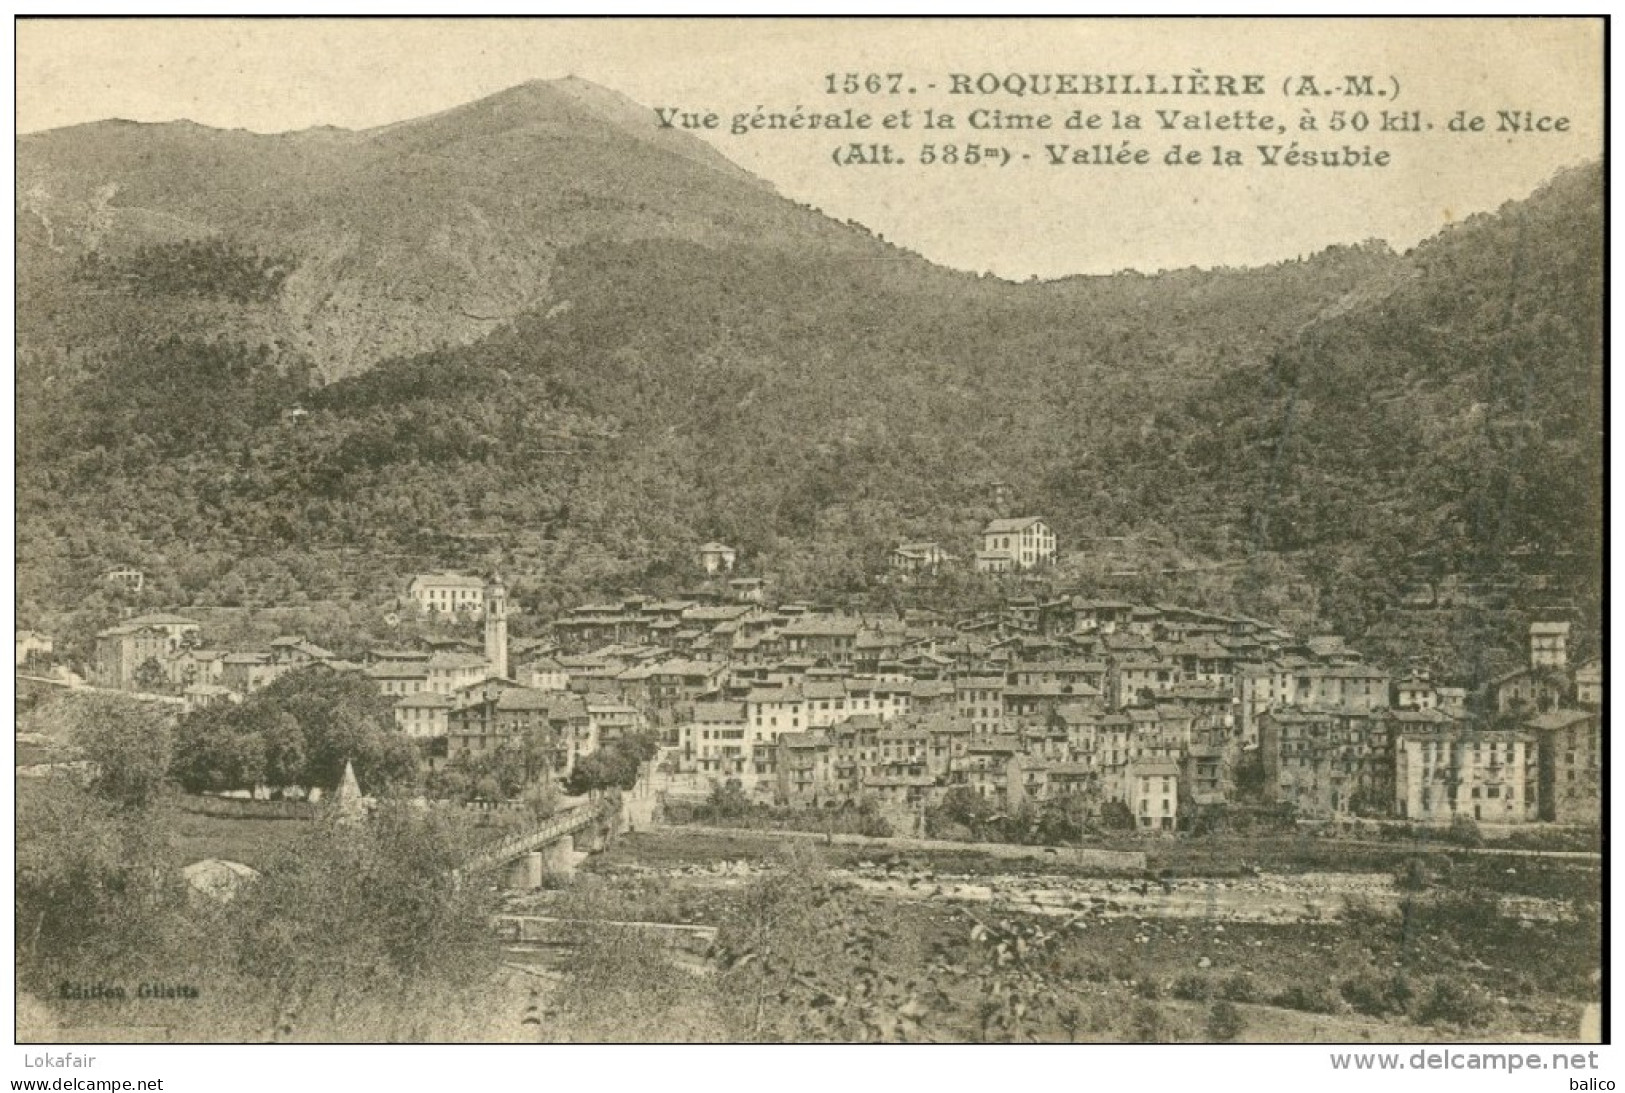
(548, 847)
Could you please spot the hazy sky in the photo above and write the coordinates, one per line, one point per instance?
(273, 75)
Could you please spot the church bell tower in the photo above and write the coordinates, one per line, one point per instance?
(496, 628)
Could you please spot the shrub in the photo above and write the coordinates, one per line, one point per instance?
(1150, 1025)
(1225, 1022)
(1148, 989)
(1464, 832)
(1361, 912)
(1451, 1001)
(1420, 873)
(1474, 916)
(1116, 816)
(1193, 988)
(1310, 998)
(1239, 988)
(874, 827)
(1378, 995)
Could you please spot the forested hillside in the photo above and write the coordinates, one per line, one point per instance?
(810, 411)
(693, 357)
(1449, 427)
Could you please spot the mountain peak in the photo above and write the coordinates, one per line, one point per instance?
(580, 104)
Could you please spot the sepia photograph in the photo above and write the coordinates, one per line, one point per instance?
(810, 531)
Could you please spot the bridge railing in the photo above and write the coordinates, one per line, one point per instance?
(555, 827)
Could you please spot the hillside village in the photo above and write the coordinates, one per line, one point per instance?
(1172, 716)
(514, 574)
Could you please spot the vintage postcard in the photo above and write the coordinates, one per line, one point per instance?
(810, 531)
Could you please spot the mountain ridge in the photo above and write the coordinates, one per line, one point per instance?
(519, 320)
(401, 232)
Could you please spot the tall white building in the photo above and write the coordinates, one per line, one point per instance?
(496, 628)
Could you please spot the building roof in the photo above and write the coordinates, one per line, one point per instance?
(717, 548)
(1067, 666)
(804, 740)
(1514, 674)
(720, 613)
(527, 698)
(310, 649)
(452, 661)
(881, 781)
(424, 700)
(161, 620)
(399, 670)
(446, 580)
(1559, 719)
(1548, 628)
(679, 667)
(1006, 527)
(1345, 671)
(731, 712)
(1420, 717)
(1156, 770)
(399, 654)
(822, 626)
(760, 695)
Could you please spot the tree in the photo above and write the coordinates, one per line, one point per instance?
(1064, 819)
(963, 805)
(212, 753)
(616, 765)
(641, 746)
(284, 755)
(149, 676)
(299, 730)
(1225, 1022)
(496, 775)
(351, 910)
(605, 768)
(1116, 816)
(94, 880)
(728, 801)
(343, 717)
(128, 744)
